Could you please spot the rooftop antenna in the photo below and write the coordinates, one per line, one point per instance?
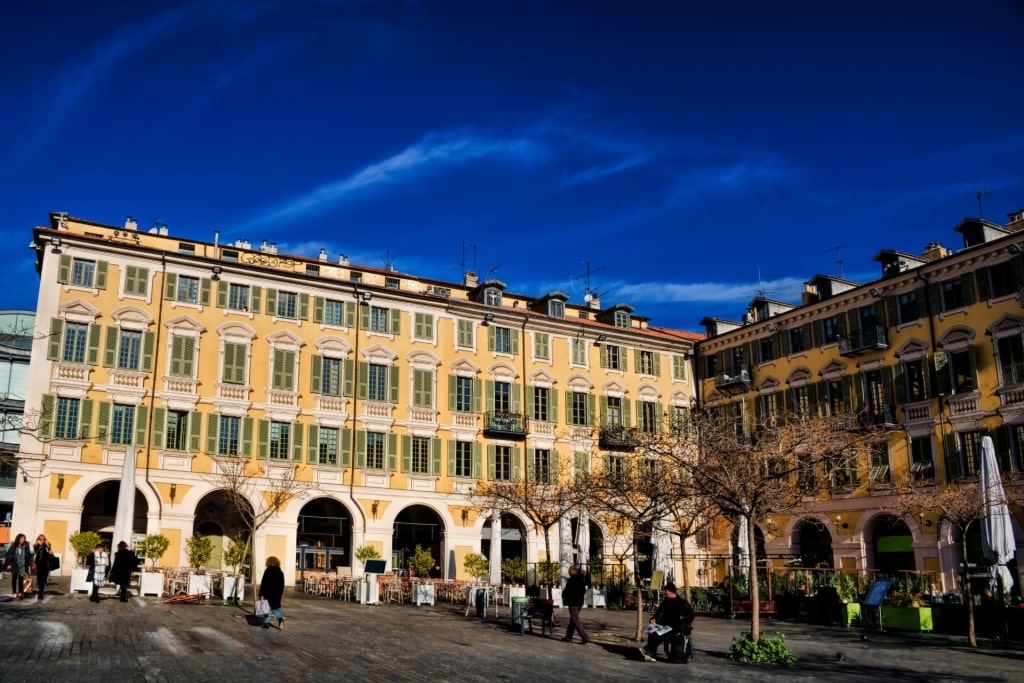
(462, 263)
(839, 255)
(588, 292)
(388, 259)
(760, 292)
(980, 195)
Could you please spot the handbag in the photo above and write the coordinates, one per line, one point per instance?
(54, 563)
(262, 607)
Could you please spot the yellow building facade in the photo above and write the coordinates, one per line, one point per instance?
(388, 396)
(932, 351)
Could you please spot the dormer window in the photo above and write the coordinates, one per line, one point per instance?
(556, 309)
(492, 296)
(622, 319)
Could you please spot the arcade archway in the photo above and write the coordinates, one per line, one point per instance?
(99, 510)
(323, 536)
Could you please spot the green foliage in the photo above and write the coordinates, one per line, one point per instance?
(549, 572)
(366, 552)
(477, 565)
(767, 650)
(84, 542)
(153, 547)
(514, 568)
(199, 550)
(236, 554)
(421, 562)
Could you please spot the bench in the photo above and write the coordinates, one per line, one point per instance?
(540, 610)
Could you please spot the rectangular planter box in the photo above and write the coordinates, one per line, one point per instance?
(850, 613)
(233, 587)
(198, 583)
(596, 597)
(79, 580)
(509, 592)
(423, 593)
(907, 618)
(151, 583)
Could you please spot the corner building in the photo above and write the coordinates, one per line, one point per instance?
(388, 395)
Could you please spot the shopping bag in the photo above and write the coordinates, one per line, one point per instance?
(262, 607)
(26, 585)
(54, 563)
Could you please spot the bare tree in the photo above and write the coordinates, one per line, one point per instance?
(255, 493)
(751, 469)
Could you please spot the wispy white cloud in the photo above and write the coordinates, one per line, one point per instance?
(781, 289)
(432, 154)
(595, 173)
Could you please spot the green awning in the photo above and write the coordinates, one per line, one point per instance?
(895, 544)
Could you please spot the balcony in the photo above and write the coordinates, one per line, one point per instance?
(617, 436)
(883, 415)
(505, 423)
(735, 381)
(865, 341)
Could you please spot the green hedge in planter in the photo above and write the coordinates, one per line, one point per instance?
(907, 618)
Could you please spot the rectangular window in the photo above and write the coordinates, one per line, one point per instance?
(238, 297)
(188, 290)
(616, 466)
(463, 459)
(970, 449)
(541, 466)
(287, 305)
(542, 346)
(312, 269)
(123, 425)
(328, 446)
(374, 450)
(880, 472)
(649, 417)
(797, 343)
(283, 376)
(330, 377)
(579, 352)
(913, 375)
(185, 248)
(136, 280)
(227, 436)
(921, 464)
(502, 397)
(830, 330)
(354, 276)
(836, 397)
(960, 371)
(502, 340)
(802, 401)
(952, 294)
(622, 319)
(646, 363)
(423, 388)
(420, 455)
(391, 282)
(502, 463)
(280, 442)
(65, 422)
(1003, 281)
(177, 430)
(680, 420)
(541, 403)
(377, 383)
(614, 356)
(766, 347)
(580, 402)
(334, 313)
(907, 307)
(234, 363)
(75, 340)
(83, 272)
(613, 414)
(128, 353)
(423, 326)
(1011, 359)
(679, 367)
(379, 319)
(464, 338)
(556, 309)
(464, 394)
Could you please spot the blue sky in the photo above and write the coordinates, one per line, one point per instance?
(691, 152)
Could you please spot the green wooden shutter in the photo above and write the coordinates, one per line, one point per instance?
(110, 348)
(477, 394)
(435, 457)
(624, 357)
(453, 382)
(451, 457)
(428, 326)
(93, 355)
(296, 433)
(406, 453)
(393, 375)
(159, 423)
(85, 419)
(204, 291)
(636, 359)
(212, 428)
(514, 334)
(364, 316)
(148, 350)
(417, 327)
(171, 286)
(101, 274)
(489, 390)
(604, 355)
(303, 306)
(531, 474)
(316, 368)
(348, 380)
(345, 447)
(350, 313)
(517, 465)
(222, 294)
(246, 441)
(626, 418)
(263, 439)
(657, 363)
(396, 322)
(892, 311)
(490, 461)
(64, 269)
(255, 294)
(967, 284)
(590, 409)
(53, 343)
(516, 391)
(364, 379)
(465, 334)
(490, 338)
(195, 430)
(477, 456)
(360, 449)
(141, 413)
(177, 344)
(554, 467)
(47, 416)
(552, 415)
(271, 308)
(898, 384)
(313, 444)
(319, 303)
(604, 410)
(581, 461)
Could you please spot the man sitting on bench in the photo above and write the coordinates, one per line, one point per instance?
(670, 625)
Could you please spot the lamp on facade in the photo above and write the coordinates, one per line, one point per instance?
(875, 294)
(174, 492)
(465, 516)
(216, 273)
(373, 508)
(55, 242)
(60, 485)
(840, 523)
(488, 318)
(923, 522)
(364, 297)
(600, 338)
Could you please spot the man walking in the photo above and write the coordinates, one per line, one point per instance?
(572, 597)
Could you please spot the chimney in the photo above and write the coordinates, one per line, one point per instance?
(469, 279)
(1016, 223)
(323, 254)
(934, 251)
(342, 260)
(130, 223)
(810, 294)
(593, 301)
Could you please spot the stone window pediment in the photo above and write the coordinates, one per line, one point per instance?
(648, 392)
(465, 368)
(184, 325)
(680, 398)
(334, 347)
(800, 376)
(380, 354)
(285, 339)
(833, 370)
(541, 379)
(78, 311)
(1006, 325)
(614, 389)
(236, 332)
(132, 318)
(912, 349)
(769, 385)
(502, 372)
(580, 383)
(957, 338)
(422, 360)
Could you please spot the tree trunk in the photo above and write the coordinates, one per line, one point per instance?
(972, 638)
(755, 597)
(686, 574)
(639, 593)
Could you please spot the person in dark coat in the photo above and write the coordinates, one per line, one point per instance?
(41, 558)
(19, 563)
(271, 590)
(676, 613)
(125, 563)
(572, 597)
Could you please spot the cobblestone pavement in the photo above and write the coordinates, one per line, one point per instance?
(68, 638)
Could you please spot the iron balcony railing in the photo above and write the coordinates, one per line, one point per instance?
(735, 379)
(617, 436)
(505, 422)
(869, 339)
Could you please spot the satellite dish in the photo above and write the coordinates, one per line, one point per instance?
(588, 298)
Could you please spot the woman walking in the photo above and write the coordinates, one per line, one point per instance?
(41, 558)
(271, 589)
(97, 564)
(19, 563)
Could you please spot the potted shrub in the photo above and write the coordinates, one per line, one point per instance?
(235, 556)
(368, 594)
(152, 548)
(514, 569)
(83, 543)
(476, 565)
(199, 549)
(420, 565)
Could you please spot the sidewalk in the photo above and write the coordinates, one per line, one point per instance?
(68, 638)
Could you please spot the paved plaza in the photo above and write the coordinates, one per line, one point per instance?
(68, 638)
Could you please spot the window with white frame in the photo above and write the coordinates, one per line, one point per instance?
(122, 425)
(420, 455)
(334, 313)
(187, 290)
(280, 440)
(502, 463)
(287, 305)
(579, 351)
(375, 450)
(238, 297)
(463, 459)
(327, 448)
